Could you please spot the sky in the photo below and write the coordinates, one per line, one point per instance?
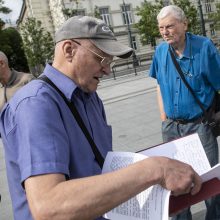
(15, 6)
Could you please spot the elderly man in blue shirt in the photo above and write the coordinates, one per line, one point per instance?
(53, 173)
(199, 61)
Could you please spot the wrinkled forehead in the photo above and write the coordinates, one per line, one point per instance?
(2, 58)
(168, 20)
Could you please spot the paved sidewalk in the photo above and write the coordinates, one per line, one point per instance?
(125, 86)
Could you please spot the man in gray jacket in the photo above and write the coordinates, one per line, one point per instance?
(10, 80)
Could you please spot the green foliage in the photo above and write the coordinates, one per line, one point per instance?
(12, 46)
(97, 13)
(147, 24)
(148, 27)
(2, 23)
(3, 10)
(191, 14)
(215, 17)
(69, 12)
(38, 45)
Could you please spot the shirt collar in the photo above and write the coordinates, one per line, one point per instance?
(81, 94)
(12, 78)
(187, 53)
(64, 83)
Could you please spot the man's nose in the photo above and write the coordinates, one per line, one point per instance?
(106, 69)
(164, 31)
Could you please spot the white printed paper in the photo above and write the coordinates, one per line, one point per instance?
(153, 203)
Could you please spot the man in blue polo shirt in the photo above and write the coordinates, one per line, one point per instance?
(53, 172)
(199, 60)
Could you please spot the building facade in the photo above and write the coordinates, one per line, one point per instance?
(120, 15)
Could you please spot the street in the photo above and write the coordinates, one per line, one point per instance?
(131, 108)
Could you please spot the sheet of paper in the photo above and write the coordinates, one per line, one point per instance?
(212, 173)
(188, 149)
(153, 203)
(150, 204)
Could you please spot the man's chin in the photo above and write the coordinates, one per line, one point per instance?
(169, 41)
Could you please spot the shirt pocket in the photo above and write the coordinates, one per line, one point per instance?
(195, 81)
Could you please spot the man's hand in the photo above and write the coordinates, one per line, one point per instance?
(179, 177)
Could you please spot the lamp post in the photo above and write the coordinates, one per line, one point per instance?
(134, 58)
(201, 18)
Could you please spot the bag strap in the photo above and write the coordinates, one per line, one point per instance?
(73, 109)
(179, 70)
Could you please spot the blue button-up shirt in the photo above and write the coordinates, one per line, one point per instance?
(41, 136)
(200, 64)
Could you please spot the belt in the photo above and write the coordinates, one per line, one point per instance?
(198, 120)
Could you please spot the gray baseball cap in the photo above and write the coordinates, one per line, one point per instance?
(84, 27)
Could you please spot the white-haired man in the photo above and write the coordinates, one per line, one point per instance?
(199, 61)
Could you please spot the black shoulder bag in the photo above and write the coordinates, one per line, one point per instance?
(213, 116)
(73, 109)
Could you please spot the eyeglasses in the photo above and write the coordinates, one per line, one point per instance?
(105, 62)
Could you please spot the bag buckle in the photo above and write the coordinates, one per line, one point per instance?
(212, 124)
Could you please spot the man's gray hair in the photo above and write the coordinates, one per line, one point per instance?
(3, 57)
(172, 10)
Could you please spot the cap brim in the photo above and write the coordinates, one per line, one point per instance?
(113, 47)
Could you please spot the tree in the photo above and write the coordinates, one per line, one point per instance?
(97, 13)
(3, 10)
(38, 45)
(74, 10)
(12, 46)
(215, 17)
(191, 14)
(148, 27)
(147, 24)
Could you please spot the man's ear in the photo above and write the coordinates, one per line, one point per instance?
(2, 63)
(69, 50)
(186, 24)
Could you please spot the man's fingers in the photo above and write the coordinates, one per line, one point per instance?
(197, 184)
(180, 178)
(193, 188)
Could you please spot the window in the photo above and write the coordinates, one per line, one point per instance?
(134, 43)
(72, 8)
(104, 12)
(212, 29)
(126, 13)
(81, 12)
(208, 7)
